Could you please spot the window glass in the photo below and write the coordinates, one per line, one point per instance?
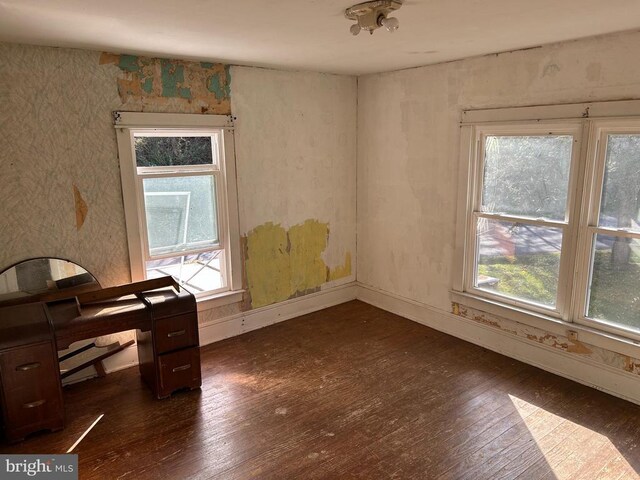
(173, 151)
(180, 213)
(614, 294)
(527, 176)
(621, 190)
(518, 261)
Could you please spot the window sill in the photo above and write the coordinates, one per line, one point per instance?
(219, 300)
(591, 336)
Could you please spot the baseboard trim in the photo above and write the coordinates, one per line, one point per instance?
(264, 316)
(582, 370)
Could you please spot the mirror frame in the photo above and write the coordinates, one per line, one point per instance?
(53, 295)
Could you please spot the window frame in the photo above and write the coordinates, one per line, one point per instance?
(592, 121)
(130, 124)
(567, 226)
(592, 205)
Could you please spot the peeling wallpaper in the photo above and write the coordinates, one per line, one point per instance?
(154, 84)
(60, 192)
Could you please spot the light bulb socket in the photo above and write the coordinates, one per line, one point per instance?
(390, 23)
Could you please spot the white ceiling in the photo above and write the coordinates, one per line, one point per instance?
(309, 34)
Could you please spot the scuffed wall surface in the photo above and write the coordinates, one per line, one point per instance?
(558, 342)
(295, 151)
(408, 143)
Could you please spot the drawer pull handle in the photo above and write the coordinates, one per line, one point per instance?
(34, 404)
(27, 366)
(181, 368)
(177, 333)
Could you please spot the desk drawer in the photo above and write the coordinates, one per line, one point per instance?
(31, 390)
(29, 371)
(179, 370)
(175, 333)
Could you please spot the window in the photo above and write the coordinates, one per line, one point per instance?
(178, 182)
(550, 216)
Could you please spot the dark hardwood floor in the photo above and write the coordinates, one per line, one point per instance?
(350, 392)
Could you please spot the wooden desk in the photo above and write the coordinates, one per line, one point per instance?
(166, 324)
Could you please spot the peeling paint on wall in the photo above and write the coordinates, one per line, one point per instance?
(632, 365)
(81, 207)
(267, 264)
(152, 83)
(307, 241)
(559, 342)
(341, 271)
(282, 264)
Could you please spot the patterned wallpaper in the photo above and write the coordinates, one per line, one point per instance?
(60, 189)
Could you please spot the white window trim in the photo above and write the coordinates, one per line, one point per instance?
(593, 119)
(574, 129)
(126, 123)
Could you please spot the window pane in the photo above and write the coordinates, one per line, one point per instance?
(519, 261)
(527, 175)
(615, 281)
(181, 213)
(197, 273)
(621, 190)
(172, 151)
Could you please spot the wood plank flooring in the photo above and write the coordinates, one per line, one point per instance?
(350, 392)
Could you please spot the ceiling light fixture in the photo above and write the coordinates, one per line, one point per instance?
(373, 15)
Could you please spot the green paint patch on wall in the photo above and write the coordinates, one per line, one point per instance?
(172, 79)
(156, 84)
(283, 264)
(129, 63)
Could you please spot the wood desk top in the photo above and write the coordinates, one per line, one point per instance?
(97, 319)
(93, 313)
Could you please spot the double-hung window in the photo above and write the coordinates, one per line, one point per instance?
(178, 181)
(549, 219)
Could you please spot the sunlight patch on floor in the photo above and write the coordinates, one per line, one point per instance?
(572, 450)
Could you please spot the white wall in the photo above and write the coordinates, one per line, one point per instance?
(296, 152)
(408, 141)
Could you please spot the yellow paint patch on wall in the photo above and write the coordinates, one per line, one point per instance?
(282, 264)
(341, 271)
(81, 207)
(267, 264)
(307, 242)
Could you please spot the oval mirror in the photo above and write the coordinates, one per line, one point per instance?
(44, 279)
